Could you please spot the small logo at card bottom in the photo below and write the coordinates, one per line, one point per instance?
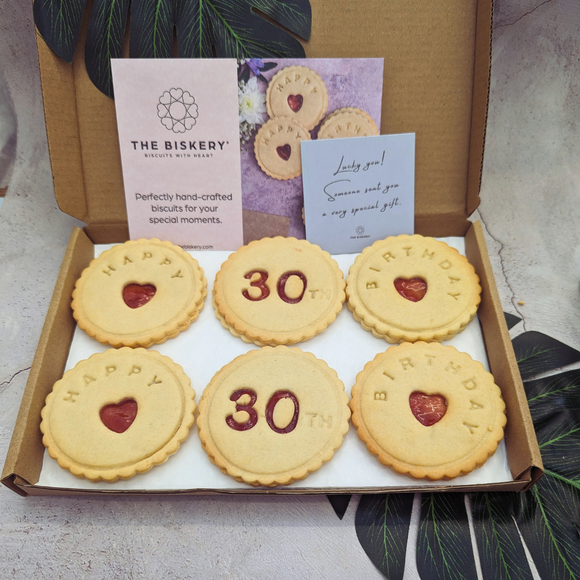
(360, 230)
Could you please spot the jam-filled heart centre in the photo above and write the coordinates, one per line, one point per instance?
(295, 102)
(284, 151)
(412, 289)
(118, 417)
(137, 295)
(427, 409)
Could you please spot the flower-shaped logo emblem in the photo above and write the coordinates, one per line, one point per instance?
(177, 110)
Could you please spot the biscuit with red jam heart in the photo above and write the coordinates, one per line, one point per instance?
(428, 410)
(118, 413)
(411, 288)
(139, 293)
(277, 147)
(299, 93)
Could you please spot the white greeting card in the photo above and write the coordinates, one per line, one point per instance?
(179, 140)
(358, 190)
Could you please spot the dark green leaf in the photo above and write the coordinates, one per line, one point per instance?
(294, 15)
(105, 41)
(263, 78)
(382, 526)
(501, 552)
(245, 75)
(548, 515)
(59, 23)
(444, 544)
(230, 28)
(339, 503)
(269, 66)
(549, 520)
(537, 353)
(151, 29)
(238, 32)
(555, 407)
(194, 28)
(203, 29)
(511, 320)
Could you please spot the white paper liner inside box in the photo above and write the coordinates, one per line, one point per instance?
(206, 347)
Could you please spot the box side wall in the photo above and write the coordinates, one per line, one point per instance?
(522, 447)
(26, 450)
(507, 486)
(101, 160)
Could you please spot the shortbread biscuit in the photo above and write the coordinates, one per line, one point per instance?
(278, 291)
(348, 122)
(384, 273)
(118, 413)
(424, 444)
(139, 293)
(277, 148)
(272, 416)
(299, 93)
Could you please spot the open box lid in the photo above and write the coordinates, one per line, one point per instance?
(436, 82)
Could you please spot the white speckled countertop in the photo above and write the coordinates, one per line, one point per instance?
(530, 207)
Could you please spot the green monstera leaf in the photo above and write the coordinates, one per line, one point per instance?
(501, 552)
(547, 516)
(382, 526)
(201, 28)
(443, 543)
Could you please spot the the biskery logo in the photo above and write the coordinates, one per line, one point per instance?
(177, 110)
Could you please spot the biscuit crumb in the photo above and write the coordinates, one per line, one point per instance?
(521, 303)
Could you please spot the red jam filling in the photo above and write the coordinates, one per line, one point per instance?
(248, 408)
(413, 289)
(137, 295)
(118, 417)
(284, 152)
(295, 102)
(259, 283)
(281, 286)
(271, 406)
(427, 409)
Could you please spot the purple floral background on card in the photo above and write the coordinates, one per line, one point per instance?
(350, 82)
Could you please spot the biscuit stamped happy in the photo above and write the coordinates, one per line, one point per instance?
(118, 413)
(139, 293)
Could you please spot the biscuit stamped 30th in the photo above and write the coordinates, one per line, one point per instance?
(272, 416)
(278, 291)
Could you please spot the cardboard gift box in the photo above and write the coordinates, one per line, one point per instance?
(436, 84)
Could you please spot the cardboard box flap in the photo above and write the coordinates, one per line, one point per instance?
(437, 63)
(24, 459)
(64, 144)
(480, 102)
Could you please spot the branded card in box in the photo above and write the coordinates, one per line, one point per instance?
(435, 85)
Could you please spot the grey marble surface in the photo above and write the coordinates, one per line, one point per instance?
(531, 212)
